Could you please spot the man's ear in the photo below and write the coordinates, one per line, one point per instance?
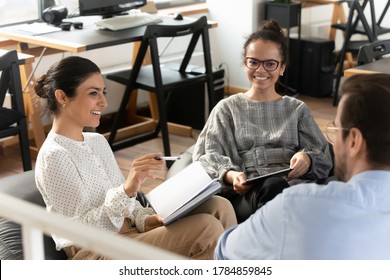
(61, 97)
(356, 141)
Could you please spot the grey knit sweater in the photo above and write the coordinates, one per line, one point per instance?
(260, 137)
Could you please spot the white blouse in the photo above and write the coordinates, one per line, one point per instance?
(82, 180)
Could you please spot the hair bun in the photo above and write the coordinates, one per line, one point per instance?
(39, 86)
(271, 25)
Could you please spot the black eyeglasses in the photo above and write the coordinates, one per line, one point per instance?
(268, 65)
(331, 130)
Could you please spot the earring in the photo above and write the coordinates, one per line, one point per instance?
(281, 74)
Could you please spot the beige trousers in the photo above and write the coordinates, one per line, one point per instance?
(194, 236)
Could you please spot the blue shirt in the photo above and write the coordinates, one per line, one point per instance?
(338, 221)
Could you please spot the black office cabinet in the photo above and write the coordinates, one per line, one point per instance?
(287, 15)
(316, 66)
(187, 105)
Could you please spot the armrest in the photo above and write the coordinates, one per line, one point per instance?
(22, 186)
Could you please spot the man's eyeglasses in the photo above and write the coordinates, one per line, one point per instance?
(268, 65)
(331, 131)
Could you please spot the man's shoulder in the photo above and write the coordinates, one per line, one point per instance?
(362, 190)
(332, 189)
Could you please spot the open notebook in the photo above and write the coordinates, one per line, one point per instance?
(183, 192)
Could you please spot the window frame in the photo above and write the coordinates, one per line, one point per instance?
(21, 20)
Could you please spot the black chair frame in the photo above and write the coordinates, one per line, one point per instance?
(351, 28)
(380, 30)
(10, 81)
(162, 80)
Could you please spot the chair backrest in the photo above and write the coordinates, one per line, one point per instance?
(198, 29)
(357, 14)
(373, 51)
(10, 81)
(22, 186)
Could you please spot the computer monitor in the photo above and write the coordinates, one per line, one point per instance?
(108, 8)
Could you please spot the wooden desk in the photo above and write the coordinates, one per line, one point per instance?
(187, 10)
(5, 43)
(379, 66)
(86, 39)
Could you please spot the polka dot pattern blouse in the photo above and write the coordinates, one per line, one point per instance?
(82, 180)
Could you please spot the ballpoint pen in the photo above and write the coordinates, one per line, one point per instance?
(170, 158)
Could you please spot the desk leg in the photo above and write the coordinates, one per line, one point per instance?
(337, 9)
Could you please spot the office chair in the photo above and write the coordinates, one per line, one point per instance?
(373, 51)
(162, 79)
(356, 15)
(13, 120)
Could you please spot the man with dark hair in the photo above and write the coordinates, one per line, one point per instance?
(347, 219)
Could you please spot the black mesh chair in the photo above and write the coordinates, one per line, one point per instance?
(162, 79)
(373, 51)
(13, 120)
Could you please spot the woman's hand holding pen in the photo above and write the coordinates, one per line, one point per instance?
(142, 168)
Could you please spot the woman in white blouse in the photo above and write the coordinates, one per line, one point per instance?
(78, 176)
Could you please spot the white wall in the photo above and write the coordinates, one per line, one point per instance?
(236, 20)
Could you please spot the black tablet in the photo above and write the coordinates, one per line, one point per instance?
(278, 173)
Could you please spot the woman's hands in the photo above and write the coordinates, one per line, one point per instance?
(237, 179)
(300, 164)
(142, 168)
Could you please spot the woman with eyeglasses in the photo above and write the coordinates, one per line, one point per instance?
(260, 131)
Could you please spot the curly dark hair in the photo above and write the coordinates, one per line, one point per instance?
(270, 30)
